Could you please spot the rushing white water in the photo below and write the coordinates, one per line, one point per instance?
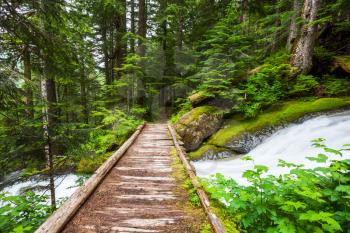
(291, 144)
(65, 186)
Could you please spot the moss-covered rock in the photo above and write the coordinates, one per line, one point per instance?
(343, 62)
(240, 135)
(210, 152)
(198, 97)
(198, 124)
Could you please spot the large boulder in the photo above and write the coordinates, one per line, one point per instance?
(198, 124)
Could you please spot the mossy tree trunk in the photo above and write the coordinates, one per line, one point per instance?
(304, 45)
(294, 26)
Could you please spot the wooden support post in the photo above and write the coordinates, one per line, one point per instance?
(213, 219)
(61, 216)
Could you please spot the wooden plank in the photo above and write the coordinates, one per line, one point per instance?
(213, 219)
(61, 216)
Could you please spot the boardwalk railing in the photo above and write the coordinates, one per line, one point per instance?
(213, 219)
(61, 216)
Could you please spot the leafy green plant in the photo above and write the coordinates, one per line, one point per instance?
(184, 106)
(20, 214)
(304, 200)
(337, 87)
(305, 85)
(266, 87)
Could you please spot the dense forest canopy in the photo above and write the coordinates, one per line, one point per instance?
(77, 76)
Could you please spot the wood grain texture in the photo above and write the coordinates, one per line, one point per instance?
(61, 216)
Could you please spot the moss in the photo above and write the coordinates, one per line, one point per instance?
(189, 200)
(343, 62)
(196, 113)
(198, 97)
(279, 114)
(195, 155)
(227, 219)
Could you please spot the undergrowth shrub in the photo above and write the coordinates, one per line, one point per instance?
(265, 87)
(305, 85)
(302, 201)
(116, 127)
(337, 87)
(21, 214)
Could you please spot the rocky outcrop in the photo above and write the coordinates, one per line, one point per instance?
(240, 135)
(197, 125)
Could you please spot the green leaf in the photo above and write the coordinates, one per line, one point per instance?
(330, 150)
(321, 158)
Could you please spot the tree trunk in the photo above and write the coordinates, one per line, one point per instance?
(141, 50)
(120, 43)
(28, 79)
(277, 24)
(45, 87)
(132, 25)
(83, 97)
(48, 92)
(304, 47)
(245, 9)
(142, 29)
(294, 27)
(105, 54)
(180, 32)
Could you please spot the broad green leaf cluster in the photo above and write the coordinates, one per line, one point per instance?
(301, 201)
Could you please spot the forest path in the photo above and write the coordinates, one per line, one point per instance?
(139, 194)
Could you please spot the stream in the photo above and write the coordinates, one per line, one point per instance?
(65, 185)
(291, 144)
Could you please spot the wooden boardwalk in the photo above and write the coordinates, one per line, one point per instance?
(138, 194)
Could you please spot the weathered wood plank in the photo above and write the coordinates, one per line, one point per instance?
(61, 216)
(213, 219)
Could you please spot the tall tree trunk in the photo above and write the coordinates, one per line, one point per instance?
(48, 91)
(47, 126)
(180, 32)
(83, 97)
(303, 51)
(132, 25)
(121, 30)
(28, 78)
(105, 54)
(142, 27)
(277, 23)
(141, 50)
(294, 27)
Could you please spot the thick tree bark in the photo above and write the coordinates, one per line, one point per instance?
(304, 47)
(142, 27)
(28, 78)
(294, 27)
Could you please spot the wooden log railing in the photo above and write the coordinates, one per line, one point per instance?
(56, 222)
(213, 219)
